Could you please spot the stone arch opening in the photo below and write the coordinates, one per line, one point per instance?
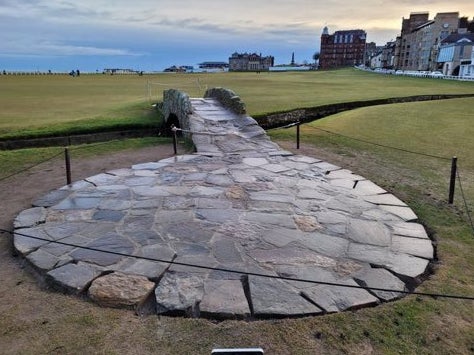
(171, 121)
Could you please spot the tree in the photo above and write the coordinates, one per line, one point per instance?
(316, 56)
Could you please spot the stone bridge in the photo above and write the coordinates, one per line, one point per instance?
(239, 229)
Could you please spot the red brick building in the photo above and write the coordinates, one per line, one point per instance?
(342, 49)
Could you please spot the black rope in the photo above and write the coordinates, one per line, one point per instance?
(435, 295)
(383, 146)
(465, 202)
(30, 167)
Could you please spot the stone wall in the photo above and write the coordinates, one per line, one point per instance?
(177, 103)
(228, 99)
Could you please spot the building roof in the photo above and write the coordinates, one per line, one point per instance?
(458, 37)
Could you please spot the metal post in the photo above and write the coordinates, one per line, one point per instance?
(68, 166)
(452, 183)
(175, 140)
(298, 135)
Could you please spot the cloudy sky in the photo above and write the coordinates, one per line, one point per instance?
(91, 35)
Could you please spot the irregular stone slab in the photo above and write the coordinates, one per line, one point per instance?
(178, 293)
(413, 246)
(280, 220)
(380, 278)
(344, 174)
(368, 232)
(42, 260)
(413, 230)
(367, 187)
(404, 213)
(120, 290)
(78, 203)
(30, 217)
(330, 298)
(344, 183)
(279, 237)
(108, 246)
(74, 278)
(224, 298)
(325, 167)
(325, 244)
(402, 264)
(255, 161)
(218, 215)
(150, 269)
(225, 251)
(291, 256)
(107, 215)
(339, 298)
(385, 199)
(51, 198)
(23, 242)
(272, 297)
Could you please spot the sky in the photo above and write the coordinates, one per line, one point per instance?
(150, 35)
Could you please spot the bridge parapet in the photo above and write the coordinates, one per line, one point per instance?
(176, 106)
(228, 99)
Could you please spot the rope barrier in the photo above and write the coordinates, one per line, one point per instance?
(465, 202)
(30, 167)
(435, 295)
(372, 143)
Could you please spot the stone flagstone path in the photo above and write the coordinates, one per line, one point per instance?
(239, 203)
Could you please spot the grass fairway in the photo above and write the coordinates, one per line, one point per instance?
(45, 105)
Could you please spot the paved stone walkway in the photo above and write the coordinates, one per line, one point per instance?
(239, 203)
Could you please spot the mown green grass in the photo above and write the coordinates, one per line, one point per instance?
(52, 105)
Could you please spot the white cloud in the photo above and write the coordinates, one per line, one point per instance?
(187, 28)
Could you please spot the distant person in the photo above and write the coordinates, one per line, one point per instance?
(78, 72)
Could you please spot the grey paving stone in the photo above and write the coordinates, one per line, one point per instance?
(224, 298)
(406, 229)
(225, 251)
(339, 298)
(272, 297)
(30, 217)
(51, 198)
(324, 244)
(290, 255)
(108, 246)
(367, 187)
(74, 278)
(413, 246)
(179, 293)
(42, 260)
(404, 213)
(23, 242)
(381, 278)
(384, 199)
(255, 161)
(150, 269)
(368, 232)
(218, 215)
(399, 263)
(78, 203)
(279, 237)
(265, 219)
(107, 215)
